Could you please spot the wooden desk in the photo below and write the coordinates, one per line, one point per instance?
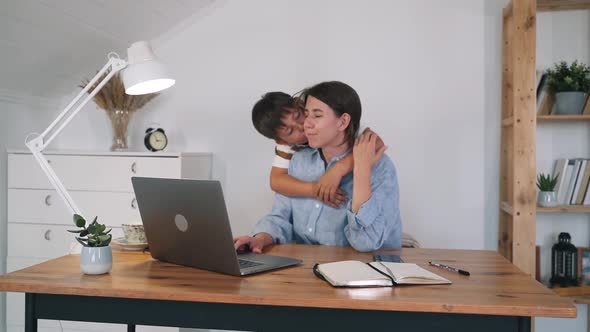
(142, 291)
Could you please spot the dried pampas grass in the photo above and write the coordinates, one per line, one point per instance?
(112, 96)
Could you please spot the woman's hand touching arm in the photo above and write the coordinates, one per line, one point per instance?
(365, 156)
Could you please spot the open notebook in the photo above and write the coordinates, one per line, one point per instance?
(375, 274)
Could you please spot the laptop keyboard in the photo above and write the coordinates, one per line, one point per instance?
(244, 264)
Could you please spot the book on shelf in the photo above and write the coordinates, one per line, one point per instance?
(544, 96)
(539, 76)
(560, 170)
(582, 184)
(586, 110)
(566, 183)
(587, 196)
(575, 182)
(375, 274)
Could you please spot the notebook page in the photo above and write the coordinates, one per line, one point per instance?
(409, 273)
(352, 273)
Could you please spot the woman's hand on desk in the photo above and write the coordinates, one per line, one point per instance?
(254, 244)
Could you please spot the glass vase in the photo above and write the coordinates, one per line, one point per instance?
(120, 122)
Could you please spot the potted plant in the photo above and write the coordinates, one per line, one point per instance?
(571, 84)
(96, 256)
(546, 184)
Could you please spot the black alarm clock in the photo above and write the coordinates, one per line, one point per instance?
(155, 139)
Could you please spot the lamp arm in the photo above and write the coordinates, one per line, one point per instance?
(39, 143)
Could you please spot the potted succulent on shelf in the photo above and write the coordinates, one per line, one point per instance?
(96, 256)
(571, 84)
(546, 184)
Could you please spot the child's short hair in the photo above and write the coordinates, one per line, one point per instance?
(267, 113)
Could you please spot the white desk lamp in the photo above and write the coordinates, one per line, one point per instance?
(144, 75)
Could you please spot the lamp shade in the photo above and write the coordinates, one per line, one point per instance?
(144, 74)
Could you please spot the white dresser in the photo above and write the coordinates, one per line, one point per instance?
(100, 184)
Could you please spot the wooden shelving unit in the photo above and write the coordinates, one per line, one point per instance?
(517, 238)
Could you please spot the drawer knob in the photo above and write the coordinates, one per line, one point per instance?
(134, 203)
(134, 168)
(47, 235)
(48, 200)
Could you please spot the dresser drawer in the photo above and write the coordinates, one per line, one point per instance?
(97, 173)
(43, 241)
(46, 206)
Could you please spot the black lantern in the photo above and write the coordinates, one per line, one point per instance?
(564, 262)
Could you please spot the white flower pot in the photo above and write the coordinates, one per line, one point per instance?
(96, 260)
(547, 199)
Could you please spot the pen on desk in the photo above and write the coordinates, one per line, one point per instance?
(450, 268)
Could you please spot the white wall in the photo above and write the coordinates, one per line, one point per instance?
(417, 65)
(562, 36)
(19, 116)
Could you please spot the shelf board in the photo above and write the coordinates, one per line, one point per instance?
(557, 5)
(566, 209)
(563, 118)
(507, 208)
(580, 294)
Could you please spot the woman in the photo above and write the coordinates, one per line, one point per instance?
(371, 219)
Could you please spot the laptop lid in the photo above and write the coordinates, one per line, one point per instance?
(186, 223)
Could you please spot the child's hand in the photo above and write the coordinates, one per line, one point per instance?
(365, 151)
(327, 191)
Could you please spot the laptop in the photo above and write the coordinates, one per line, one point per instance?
(186, 223)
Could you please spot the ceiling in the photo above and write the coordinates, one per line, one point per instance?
(48, 46)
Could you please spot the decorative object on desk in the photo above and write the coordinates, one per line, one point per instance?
(547, 196)
(571, 84)
(564, 262)
(143, 75)
(155, 139)
(584, 265)
(96, 256)
(134, 233)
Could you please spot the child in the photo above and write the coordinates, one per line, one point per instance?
(279, 116)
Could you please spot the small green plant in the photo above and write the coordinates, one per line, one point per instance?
(545, 182)
(564, 78)
(95, 235)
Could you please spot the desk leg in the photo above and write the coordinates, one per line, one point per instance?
(525, 324)
(30, 314)
(130, 328)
